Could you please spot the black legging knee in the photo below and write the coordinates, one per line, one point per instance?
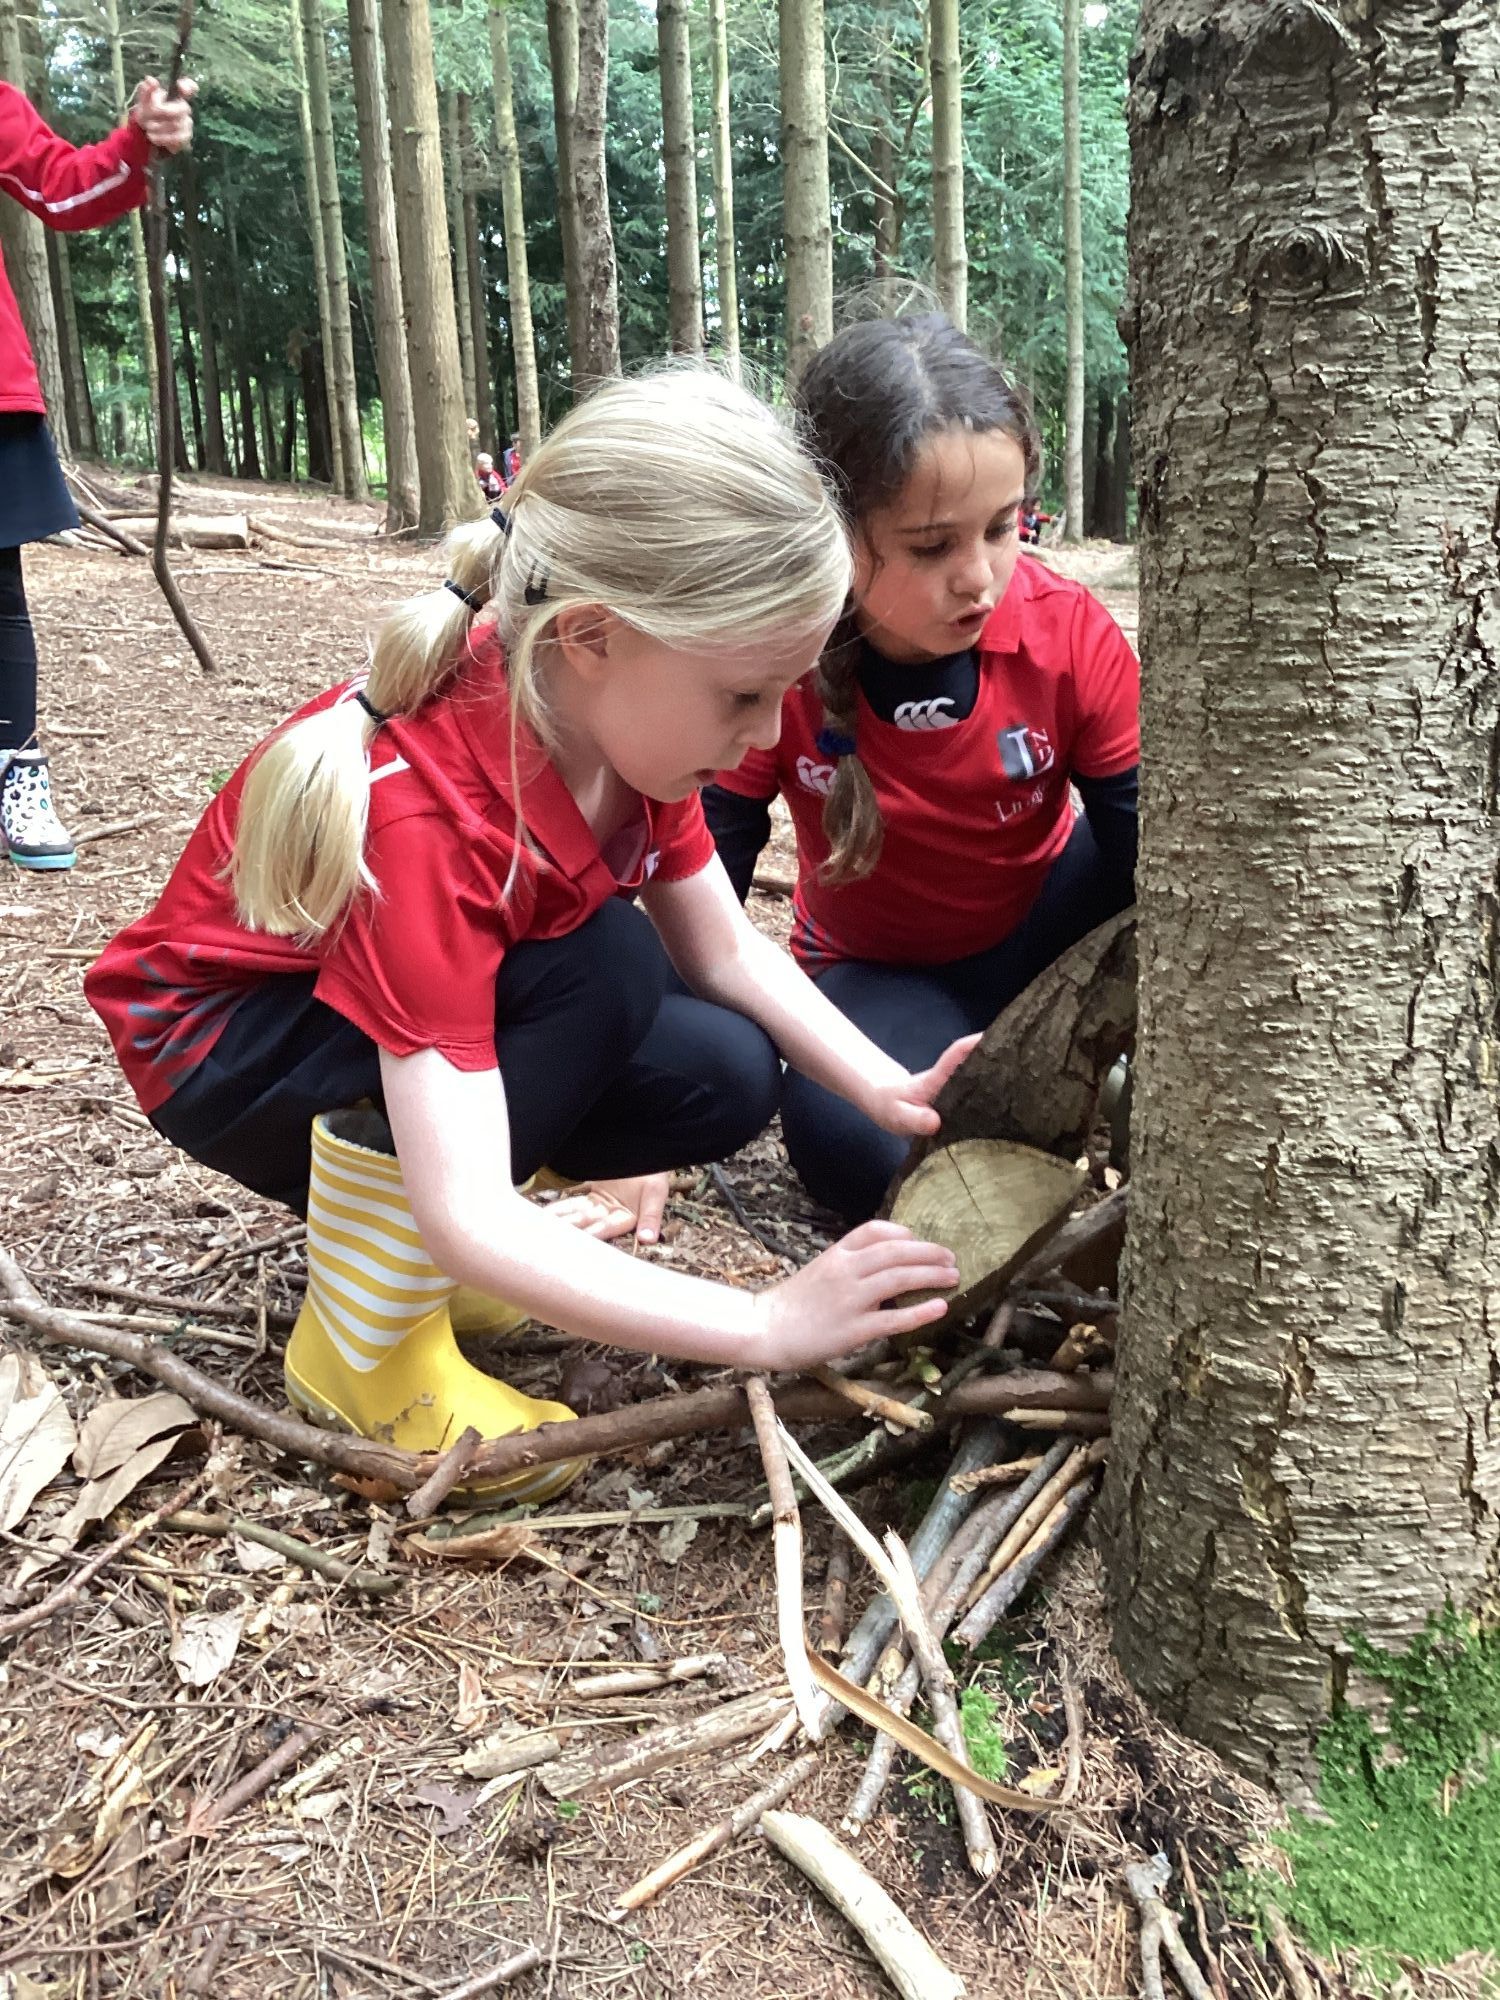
(17, 657)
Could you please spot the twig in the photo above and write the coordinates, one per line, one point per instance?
(1200, 1919)
(201, 1983)
(913, 1966)
(111, 827)
(1031, 1517)
(447, 1474)
(65, 1593)
(1146, 1880)
(1078, 1423)
(787, 1541)
(1288, 1954)
(497, 1975)
(693, 1852)
(765, 1237)
(979, 1620)
(371, 1583)
(165, 1301)
(121, 537)
(642, 1680)
(1073, 1755)
(889, 1408)
(1008, 1473)
(835, 1600)
(206, 1816)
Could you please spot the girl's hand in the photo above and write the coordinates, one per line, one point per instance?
(166, 121)
(905, 1106)
(838, 1302)
(608, 1209)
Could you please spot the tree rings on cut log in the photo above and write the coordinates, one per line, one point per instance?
(990, 1202)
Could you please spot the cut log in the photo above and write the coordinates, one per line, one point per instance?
(992, 1203)
(195, 531)
(584, 1774)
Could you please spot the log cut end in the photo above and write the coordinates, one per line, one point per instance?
(991, 1203)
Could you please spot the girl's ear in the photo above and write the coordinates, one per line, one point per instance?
(582, 632)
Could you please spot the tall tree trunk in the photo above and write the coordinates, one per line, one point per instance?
(147, 348)
(1073, 488)
(453, 176)
(315, 413)
(401, 508)
(883, 152)
(1091, 447)
(678, 151)
(239, 367)
(26, 261)
(562, 48)
(289, 434)
(517, 274)
(319, 425)
(600, 318)
(807, 226)
(449, 491)
(729, 290)
(949, 250)
(267, 426)
(118, 436)
(75, 379)
(340, 337)
(1308, 1404)
(241, 358)
(475, 304)
(1101, 475)
(213, 410)
(1117, 519)
(189, 361)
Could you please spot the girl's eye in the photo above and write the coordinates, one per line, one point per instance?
(741, 702)
(1001, 528)
(930, 553)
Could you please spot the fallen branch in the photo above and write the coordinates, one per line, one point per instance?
(580, 1775)
(978, 1622)
(207, 1815)
(786, 1534)
(445, 1475)
(101, 524)
(694, 1852)
(890, 1409)
(644, 1680)
(65, 1593)
(371, 1583)
(1146, 1880)
(497, 1975)
(1073, 1753)
(111, 827)
(835, 1601)
(913, 1966)
(772, 882)
(1288, 1955)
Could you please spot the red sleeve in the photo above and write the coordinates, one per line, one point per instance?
(1107, 686)
(414, 966)
(755, 778)
(69, 187)
(684, 846)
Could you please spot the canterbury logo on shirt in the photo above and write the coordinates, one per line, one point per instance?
(1025, 752)
(815, 777)
(930, 714)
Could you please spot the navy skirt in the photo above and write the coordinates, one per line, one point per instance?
(34, 499)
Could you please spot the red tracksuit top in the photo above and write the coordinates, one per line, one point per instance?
(68, 187)
(976, 813)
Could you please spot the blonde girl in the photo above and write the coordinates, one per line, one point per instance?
(413, 899)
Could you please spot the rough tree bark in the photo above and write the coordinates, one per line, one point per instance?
(729, 288)
(949, 252)
(517, 274)
(74, 361)
(385, 268)
(26, 261)
(678, 149)
(137, 230)
(214, 458)
(449, 490)
(1073, 489)
(453, 176)
(599, 316)
(331, 218)
(474, 305)
(562, 50)
(807, 227)
(319, 247)
(236, 354)
(1307, 1422)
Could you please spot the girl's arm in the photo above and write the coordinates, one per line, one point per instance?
(722, 957)
(452, 1138)
(81, 187)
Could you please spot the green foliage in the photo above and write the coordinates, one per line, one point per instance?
(978, 1713)
(1404, 1856)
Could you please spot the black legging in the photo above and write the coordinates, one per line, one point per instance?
(17, 657)
(606, 1072)
(913, 1012)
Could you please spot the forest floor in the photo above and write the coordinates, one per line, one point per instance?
(398, 1872)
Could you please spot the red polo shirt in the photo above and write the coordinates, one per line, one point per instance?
(414, 961)
(976, 812)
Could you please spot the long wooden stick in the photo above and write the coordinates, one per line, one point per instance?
(65, 1593)
(708, 1843)
(786, 1535)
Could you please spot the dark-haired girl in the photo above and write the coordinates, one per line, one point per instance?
(929, 761)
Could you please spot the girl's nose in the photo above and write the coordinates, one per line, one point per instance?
(767, 733)
(970, 576)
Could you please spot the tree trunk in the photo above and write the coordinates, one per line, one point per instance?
(453, 177)
(26, 261)
(449, 491)
(267, 426)
(118, 435)
(883, 152)
(214, 458)
(517, 274)
(401, 508)
(1101, 471)
(1073, 488)
(320, 425)
(189, 361)
(808, 223)
(600, 316)
(678, 152)
(1117, 520)
(137, 229)
(289, 434)
(73, 362)
(474, 305)
(249, 455)
(1306, 1421)
(729, 290)
(562, 47)
(339, 335)
(950, 254)
(315, 413)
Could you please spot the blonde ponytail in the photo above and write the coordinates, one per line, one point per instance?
(299, 849)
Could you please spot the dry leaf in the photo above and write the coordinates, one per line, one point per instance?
(378, 1543)
(102, 1807)
(254, 1557)
(494, 1544)
(101, 1496)
(1042, 1782)
(115, 1430)
(469, 1713)
(36, 1434)
(673, 1541)
(205, 1644)
(380, 1490)
(454, 1806)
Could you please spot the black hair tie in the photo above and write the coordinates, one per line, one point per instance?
(474, 602)
(376, 715)
(834, 743)
(501, 519)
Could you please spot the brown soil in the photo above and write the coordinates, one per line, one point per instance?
(396, 1875)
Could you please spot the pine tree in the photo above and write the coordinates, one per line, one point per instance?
(805, 198)
(684, 267)
(518, 276)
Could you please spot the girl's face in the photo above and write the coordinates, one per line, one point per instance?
(667, 720)
(930, 568)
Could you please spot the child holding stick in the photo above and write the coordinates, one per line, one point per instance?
(928, 761)
(410, 898)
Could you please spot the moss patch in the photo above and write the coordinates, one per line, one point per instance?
(1407, 1862)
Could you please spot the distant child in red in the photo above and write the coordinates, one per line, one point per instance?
(929, 762)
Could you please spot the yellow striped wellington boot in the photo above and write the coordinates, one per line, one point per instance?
(373, 1349)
